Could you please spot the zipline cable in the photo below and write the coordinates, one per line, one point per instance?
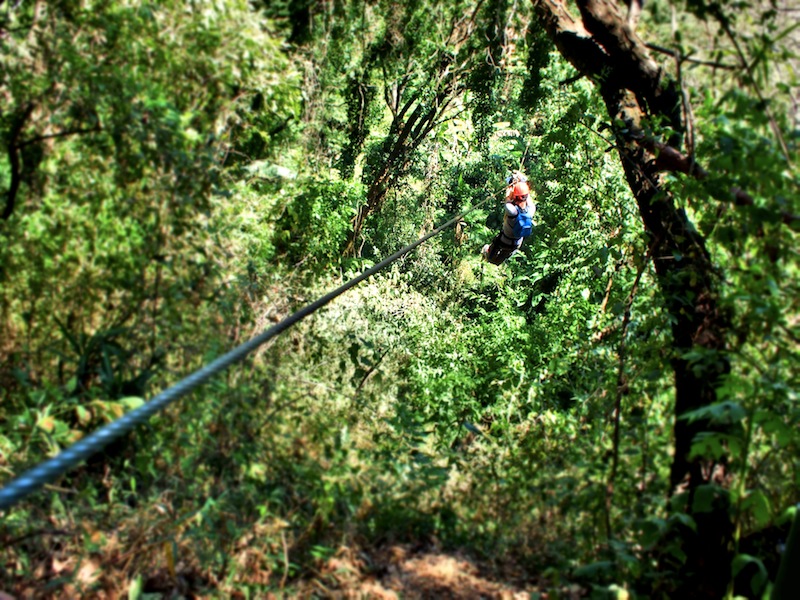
(45, 472)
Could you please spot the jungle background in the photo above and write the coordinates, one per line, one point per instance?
(611, 413)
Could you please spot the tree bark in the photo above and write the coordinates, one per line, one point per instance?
(602, 47)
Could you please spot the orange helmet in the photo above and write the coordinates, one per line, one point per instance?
(520, 189)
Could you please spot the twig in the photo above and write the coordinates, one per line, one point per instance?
(570, 80)
(697, 61)
(622, 388)
(41, 138)
(38, 532)
(608, 294)
(369, 372)
(285, 559)
(56, 488)
(688, 117)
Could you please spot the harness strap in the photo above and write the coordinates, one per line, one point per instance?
(501, 239)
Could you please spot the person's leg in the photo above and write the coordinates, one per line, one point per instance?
(491, 249)
(499, 250)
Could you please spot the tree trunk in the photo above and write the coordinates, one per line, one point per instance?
(602, 47)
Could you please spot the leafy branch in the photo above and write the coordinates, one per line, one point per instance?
(726, 27)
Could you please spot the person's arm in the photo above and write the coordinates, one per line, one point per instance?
(511, 209)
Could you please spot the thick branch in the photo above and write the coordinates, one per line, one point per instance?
(572, 39)
(670, 159)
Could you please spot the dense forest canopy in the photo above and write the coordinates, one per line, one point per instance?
(610, 413)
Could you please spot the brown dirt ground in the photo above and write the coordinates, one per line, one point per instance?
(397, 572)
(390, 572)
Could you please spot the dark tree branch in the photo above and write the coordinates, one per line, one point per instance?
(42, 138)
(39, 532)
(670, 159)
(570, 80)
(697, 61)
(632, 66)
(13, 159)
(370, 371)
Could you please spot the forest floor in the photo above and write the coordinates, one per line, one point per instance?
(383, 572)
(401, 571)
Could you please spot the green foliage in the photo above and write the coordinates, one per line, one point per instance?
(190, 177)
(315, 223)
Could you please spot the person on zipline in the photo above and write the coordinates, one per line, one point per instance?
(517, 221)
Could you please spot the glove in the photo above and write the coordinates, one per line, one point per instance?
(515, 177)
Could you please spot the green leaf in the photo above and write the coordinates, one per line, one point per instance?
(84, 416)
(132, 402)
(759, 578)
(706, 498)
(135, 588)
(727, 413)
(651, 531)
(684, 519)
(707, 444)
(46, 423)
(257, 471)
(758, 505)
